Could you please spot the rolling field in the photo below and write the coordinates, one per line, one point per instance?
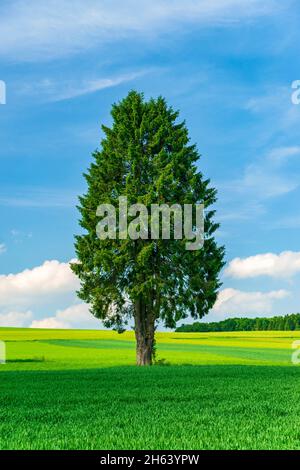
(72, 389)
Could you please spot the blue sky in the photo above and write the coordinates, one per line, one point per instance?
(227, 65)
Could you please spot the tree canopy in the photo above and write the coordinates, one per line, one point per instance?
(146, 156)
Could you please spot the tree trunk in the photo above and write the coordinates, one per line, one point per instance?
(144, 334)
(144, 351)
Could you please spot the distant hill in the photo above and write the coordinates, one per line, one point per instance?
(285, 323)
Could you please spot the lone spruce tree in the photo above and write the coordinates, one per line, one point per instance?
(146, 156)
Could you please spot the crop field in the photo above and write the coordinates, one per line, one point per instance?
(79, 389)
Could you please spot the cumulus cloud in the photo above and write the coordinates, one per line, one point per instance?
(284, 265)
(236, 302)
(2, 248)
(45, 29)
(17, 319)
(48, 282)
(50, 323)
(75, 316)
(75, 313)
(27, 297)
(31, 285)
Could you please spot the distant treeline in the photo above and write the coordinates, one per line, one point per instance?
(287, 323)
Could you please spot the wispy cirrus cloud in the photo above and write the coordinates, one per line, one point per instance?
(261, 180)
(265, 178)
(46, 29)
(54, 90)
(274, 106)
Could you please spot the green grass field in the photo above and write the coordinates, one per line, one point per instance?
(76, 389)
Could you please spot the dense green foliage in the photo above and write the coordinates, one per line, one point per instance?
(278, 323)
(146, 156)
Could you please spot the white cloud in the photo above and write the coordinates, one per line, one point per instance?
(43, 289)
(75, 316)
(52, 278)
(17, 319)
(19, 236)
(281, 154)
(263, 181)
(279, 115)
(273, 99)
(2, 248)
(284, 265)
(45, 29)
(51, 322)
(75, 313)
(265, 178)
(235, 302)
(54, 91)
(246, 211)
